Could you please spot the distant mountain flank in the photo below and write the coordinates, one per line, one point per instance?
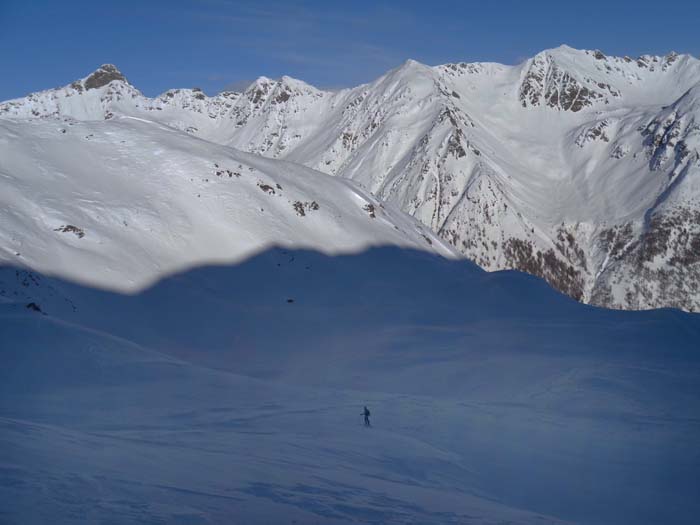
(575, 166)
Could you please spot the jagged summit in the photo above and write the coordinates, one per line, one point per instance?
(598, 54)
(284, 82)
(103, 75)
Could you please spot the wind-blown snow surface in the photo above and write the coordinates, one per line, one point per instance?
(211, 398)
(574, 166)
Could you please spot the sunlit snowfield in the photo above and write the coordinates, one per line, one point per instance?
(234, 394)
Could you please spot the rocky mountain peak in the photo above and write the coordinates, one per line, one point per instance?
(258, 91)
(102, 76)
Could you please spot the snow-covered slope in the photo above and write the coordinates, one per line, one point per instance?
(233, 394)
(122, 202)
(571, 165)
(188, 332)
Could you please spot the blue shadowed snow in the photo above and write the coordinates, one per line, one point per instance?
(210, 398)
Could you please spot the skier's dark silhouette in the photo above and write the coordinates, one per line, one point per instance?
(365, 413)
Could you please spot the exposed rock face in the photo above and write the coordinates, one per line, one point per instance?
(103, 76)
(565, 277)
(664, 263)
(546, 83)
(573, 165)
(595, 132)
(665, 138)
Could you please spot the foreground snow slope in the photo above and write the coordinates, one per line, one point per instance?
(120, 203)
(233, 394)
(575, 166)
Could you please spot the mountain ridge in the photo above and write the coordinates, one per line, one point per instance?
(546, 166)
(144, 201)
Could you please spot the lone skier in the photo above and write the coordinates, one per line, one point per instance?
(365, 413)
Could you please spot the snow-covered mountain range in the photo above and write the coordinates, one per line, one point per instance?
(189, 331)
(581, 168)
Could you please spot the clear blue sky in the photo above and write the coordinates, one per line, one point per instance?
(217, 43)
